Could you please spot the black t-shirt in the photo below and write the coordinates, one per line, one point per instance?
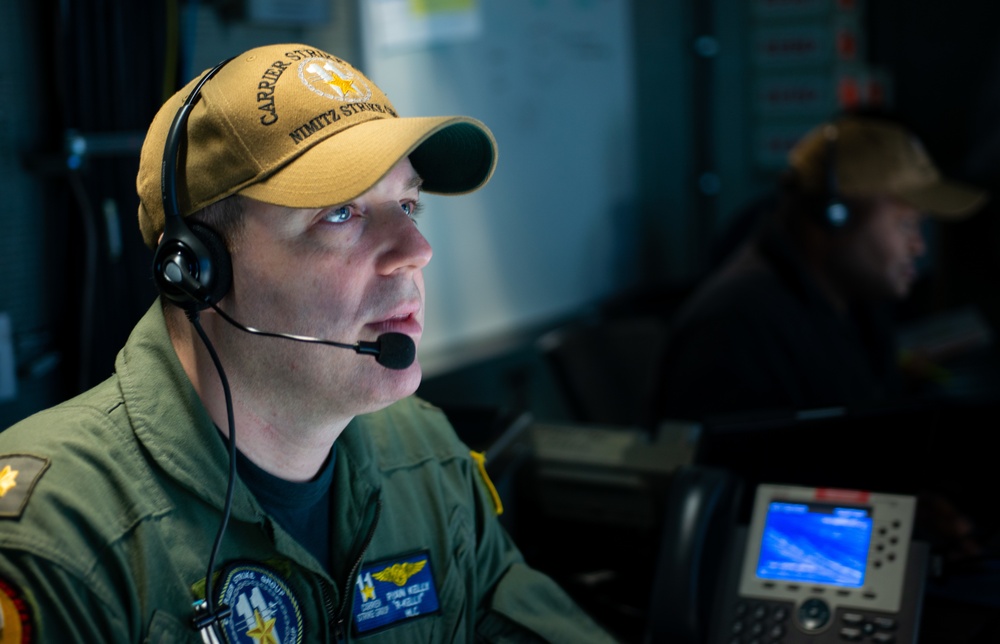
(301, 508)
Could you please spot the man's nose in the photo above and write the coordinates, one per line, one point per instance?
(406, 246)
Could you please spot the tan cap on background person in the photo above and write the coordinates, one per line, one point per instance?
(875, 157)
(295, 126)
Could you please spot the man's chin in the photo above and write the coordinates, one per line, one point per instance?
(395, 384)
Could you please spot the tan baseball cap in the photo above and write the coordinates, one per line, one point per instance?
(295, 126)
(873, 156)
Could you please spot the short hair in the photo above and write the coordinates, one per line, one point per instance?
(226, 218)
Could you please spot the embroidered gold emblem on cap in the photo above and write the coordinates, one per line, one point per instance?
(322, 76)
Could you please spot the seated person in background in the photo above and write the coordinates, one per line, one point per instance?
(797, 317)
(356, 511)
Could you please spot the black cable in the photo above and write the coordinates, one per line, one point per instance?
(231, 486)
(273, 334)
(89, 278)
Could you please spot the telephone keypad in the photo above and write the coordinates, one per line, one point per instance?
(762, 622)
(759, 622)
(858, 627)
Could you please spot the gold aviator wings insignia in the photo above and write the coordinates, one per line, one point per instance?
(400, 573)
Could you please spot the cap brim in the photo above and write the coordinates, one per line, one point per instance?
(453, 155)
(947, 199)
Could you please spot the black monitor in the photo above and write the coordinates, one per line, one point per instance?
(904, 449)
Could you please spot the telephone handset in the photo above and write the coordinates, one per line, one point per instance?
(697, 524)
(822, 565)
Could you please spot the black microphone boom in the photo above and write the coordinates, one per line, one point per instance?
(391, 350)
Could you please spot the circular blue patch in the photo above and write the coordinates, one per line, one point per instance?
(264, 610)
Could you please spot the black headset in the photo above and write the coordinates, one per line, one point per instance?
(192, 268)
(835, 213)
(191, 265)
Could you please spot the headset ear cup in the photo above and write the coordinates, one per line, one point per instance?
(191, 266)
(837, 214)
(221, 279)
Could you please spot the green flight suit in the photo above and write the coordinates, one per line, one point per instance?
(112, 501)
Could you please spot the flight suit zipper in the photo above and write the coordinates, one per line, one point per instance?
(338, 621)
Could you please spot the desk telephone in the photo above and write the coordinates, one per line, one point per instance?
(823, 565)
(814, 565)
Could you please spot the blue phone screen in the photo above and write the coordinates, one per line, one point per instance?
(815, 543)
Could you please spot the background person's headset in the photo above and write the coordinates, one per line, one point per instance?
(836, 214)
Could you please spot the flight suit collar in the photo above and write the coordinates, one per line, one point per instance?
(169, 419)
(356, 485)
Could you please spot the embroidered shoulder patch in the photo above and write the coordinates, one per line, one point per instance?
(263, 607)
(18, 475)
(16, 626)
(394, 590)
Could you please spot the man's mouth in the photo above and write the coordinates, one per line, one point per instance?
(405, 321)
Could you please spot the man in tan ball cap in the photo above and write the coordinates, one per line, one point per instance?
(257, 469)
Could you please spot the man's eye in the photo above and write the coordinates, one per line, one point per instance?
(411, 209)
(339, 215)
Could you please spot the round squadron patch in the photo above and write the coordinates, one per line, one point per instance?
(16, 626)
(264, 610)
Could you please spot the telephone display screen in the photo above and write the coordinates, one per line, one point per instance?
(815, 543)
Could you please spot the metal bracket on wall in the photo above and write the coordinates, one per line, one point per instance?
(79, 146)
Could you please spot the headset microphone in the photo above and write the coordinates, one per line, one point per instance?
(391, 350)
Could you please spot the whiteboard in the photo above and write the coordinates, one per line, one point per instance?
(556, 228)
